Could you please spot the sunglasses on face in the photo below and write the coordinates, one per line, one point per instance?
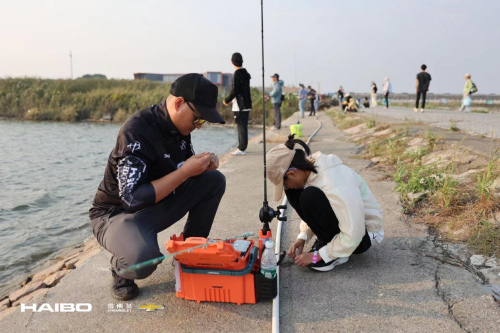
(198, 121)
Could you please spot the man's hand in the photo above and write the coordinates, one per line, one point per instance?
(224, 102)
(214, 162)
(298, 245)
(267, 98)
(196, 164)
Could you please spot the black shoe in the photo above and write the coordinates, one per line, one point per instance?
(123, 289)
(317, 245)
(322, 266)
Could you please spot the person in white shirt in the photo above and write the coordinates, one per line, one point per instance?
(333, 201)
(387, 91)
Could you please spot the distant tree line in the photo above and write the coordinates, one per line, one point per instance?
(84, 99)
(94, 76)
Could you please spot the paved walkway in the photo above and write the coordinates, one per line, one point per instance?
(391, 288)
(487, 124)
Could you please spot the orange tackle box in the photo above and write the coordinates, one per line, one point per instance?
(215, 272)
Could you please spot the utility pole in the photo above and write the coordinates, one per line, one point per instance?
(71, 63)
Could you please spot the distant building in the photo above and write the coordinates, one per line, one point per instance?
(223, 80)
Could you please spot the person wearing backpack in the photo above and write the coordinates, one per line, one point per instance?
(311, 96)
(469, 89)
(277, 97)
(374, 95)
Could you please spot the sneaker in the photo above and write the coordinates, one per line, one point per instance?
(322, 266)
(123, 289)
(422, 110)
(239, 153)
(415, 110)
(317, 245)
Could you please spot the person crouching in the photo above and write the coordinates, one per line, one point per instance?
(333, 201)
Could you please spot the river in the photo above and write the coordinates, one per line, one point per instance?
(49, 173)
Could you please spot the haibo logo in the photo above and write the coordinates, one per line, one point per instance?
(58, 307)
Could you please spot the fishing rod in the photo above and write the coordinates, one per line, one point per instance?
(266, 214)
(158, 260)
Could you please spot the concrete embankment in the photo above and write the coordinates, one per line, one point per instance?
(391, 288)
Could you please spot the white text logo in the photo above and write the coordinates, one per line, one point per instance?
(58, 307)
(134, 146)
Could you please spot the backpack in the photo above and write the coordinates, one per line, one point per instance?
(473, 89)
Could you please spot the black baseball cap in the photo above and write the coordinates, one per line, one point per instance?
(276, 76)
(197, 89)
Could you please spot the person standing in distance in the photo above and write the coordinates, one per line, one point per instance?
(340, 94)
(242, 102)
(387, 91)
(311, 95)
(422, 84)
(302, 99)
(467, 91)
(374, 95)
(275, 97)
(153, 179)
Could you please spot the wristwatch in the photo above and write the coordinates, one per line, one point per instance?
(315, 257)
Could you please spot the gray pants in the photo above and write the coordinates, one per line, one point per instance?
(277, 115)
(132, 237)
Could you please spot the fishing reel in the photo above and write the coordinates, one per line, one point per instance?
(267, 214)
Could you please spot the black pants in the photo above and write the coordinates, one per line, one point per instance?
(277, 115)
(241, 119)
(313, 207)
(386, 96)
(132, 237)
(313, 110)
(424, 94)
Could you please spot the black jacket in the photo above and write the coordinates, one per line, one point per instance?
(148, 147)
(241, 89)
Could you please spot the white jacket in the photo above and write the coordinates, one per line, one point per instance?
(353, 203)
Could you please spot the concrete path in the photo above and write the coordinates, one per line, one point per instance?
(391, 288)
(474, 123)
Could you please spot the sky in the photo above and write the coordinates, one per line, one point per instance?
(323, 43)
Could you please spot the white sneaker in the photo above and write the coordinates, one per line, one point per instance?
(415, 110)
(422, 110)
(239, 153)
(325, 267)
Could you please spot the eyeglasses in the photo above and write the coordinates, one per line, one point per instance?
(198, 121)
(285, 177)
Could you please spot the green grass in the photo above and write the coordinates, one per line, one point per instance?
(453, 126)
(486, 239)
(485, 179)
(426, 179)
(480, 111)
(371, 122)
(416, 155)
(430, 137)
